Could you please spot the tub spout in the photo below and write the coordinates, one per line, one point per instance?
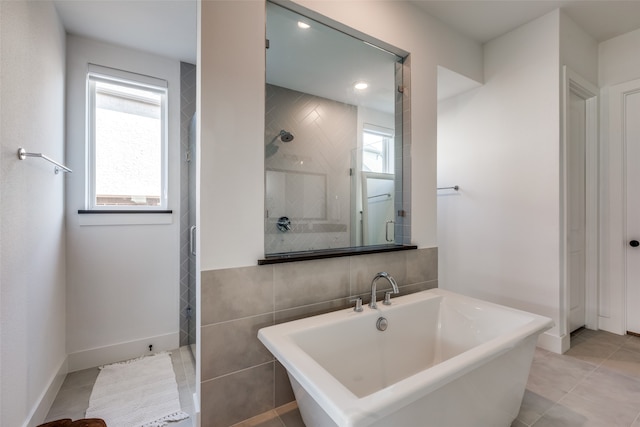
(390, 279)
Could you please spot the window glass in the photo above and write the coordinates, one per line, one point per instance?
(377, 152)
(127, 144)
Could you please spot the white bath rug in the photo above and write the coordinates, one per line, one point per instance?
(137, 393)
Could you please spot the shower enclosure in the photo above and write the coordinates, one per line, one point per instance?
(191, 288)
(188, 208)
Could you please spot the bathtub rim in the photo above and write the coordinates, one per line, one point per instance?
(347, 409)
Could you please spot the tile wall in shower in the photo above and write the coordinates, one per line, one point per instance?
(316, 162)
(187, 110)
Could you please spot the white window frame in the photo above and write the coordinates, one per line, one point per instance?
(98, 73)
(388, 135)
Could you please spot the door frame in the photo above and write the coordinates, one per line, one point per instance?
(574, 83)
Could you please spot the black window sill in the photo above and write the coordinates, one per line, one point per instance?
(122, 211)
(331, 253)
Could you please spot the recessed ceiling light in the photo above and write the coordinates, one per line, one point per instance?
(361, 85)
(303, 25)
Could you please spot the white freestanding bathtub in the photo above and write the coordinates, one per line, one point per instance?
(445, 360)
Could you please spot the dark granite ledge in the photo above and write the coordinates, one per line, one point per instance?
(331, 253)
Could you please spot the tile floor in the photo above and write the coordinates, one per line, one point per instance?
(595, 384)
(73, 398)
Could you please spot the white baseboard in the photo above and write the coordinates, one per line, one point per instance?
(122, 351)
(196, 411)
(45, 400)
(554, 343)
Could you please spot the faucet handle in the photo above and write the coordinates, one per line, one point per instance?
(358, 308)
(387, 298)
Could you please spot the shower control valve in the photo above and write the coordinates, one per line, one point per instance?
(387, 298)
(284, 224)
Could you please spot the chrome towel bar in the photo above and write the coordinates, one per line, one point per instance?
(22, 154)
(455, 187)
(380, 195)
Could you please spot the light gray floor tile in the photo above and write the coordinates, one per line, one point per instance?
(72, 400)
(552, 376)
(632, 343)
(576, 410)
(603, 336)
(266, 419)
(605, 387)
(593, 350)
(81, 378)
(625, 362)
(571, 390)
(276, 422)
(533, 407)
(70, 403)
(560, 416)
(183, 423)
(290, 415)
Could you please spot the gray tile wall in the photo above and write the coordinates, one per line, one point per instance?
(325, 136)
(240, 377)
(187, 110)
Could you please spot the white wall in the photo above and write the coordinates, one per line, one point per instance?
(123, 280)
(619, 62)
(499, 236)
(232, 114)
(32, 250)
(578, 50)
(231, 117)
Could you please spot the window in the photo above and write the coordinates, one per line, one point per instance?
(127, 141)
(377, 149)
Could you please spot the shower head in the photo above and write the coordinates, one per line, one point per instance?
(271, 148)
(285, 136)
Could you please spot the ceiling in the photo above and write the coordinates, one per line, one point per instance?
(162, 27)
(168, 27)
(484, 20)
(321, 61)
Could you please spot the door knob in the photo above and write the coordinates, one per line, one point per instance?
(634, 243)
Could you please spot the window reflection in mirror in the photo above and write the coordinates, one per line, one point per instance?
(333, 138)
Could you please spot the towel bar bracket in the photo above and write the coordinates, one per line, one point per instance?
(23, 154)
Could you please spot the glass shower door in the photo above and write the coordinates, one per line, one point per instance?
(191, 315)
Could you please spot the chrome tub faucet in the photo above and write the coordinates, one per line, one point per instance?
(387, 299)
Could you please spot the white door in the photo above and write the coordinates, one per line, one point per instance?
(576, 224)
(631, 135)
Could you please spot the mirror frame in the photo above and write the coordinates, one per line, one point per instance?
(402, 159)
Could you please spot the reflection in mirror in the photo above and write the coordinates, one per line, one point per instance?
(297, 195)
(377, 208)
(333, 137)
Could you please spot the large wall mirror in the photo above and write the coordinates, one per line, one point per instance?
(333, 138)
